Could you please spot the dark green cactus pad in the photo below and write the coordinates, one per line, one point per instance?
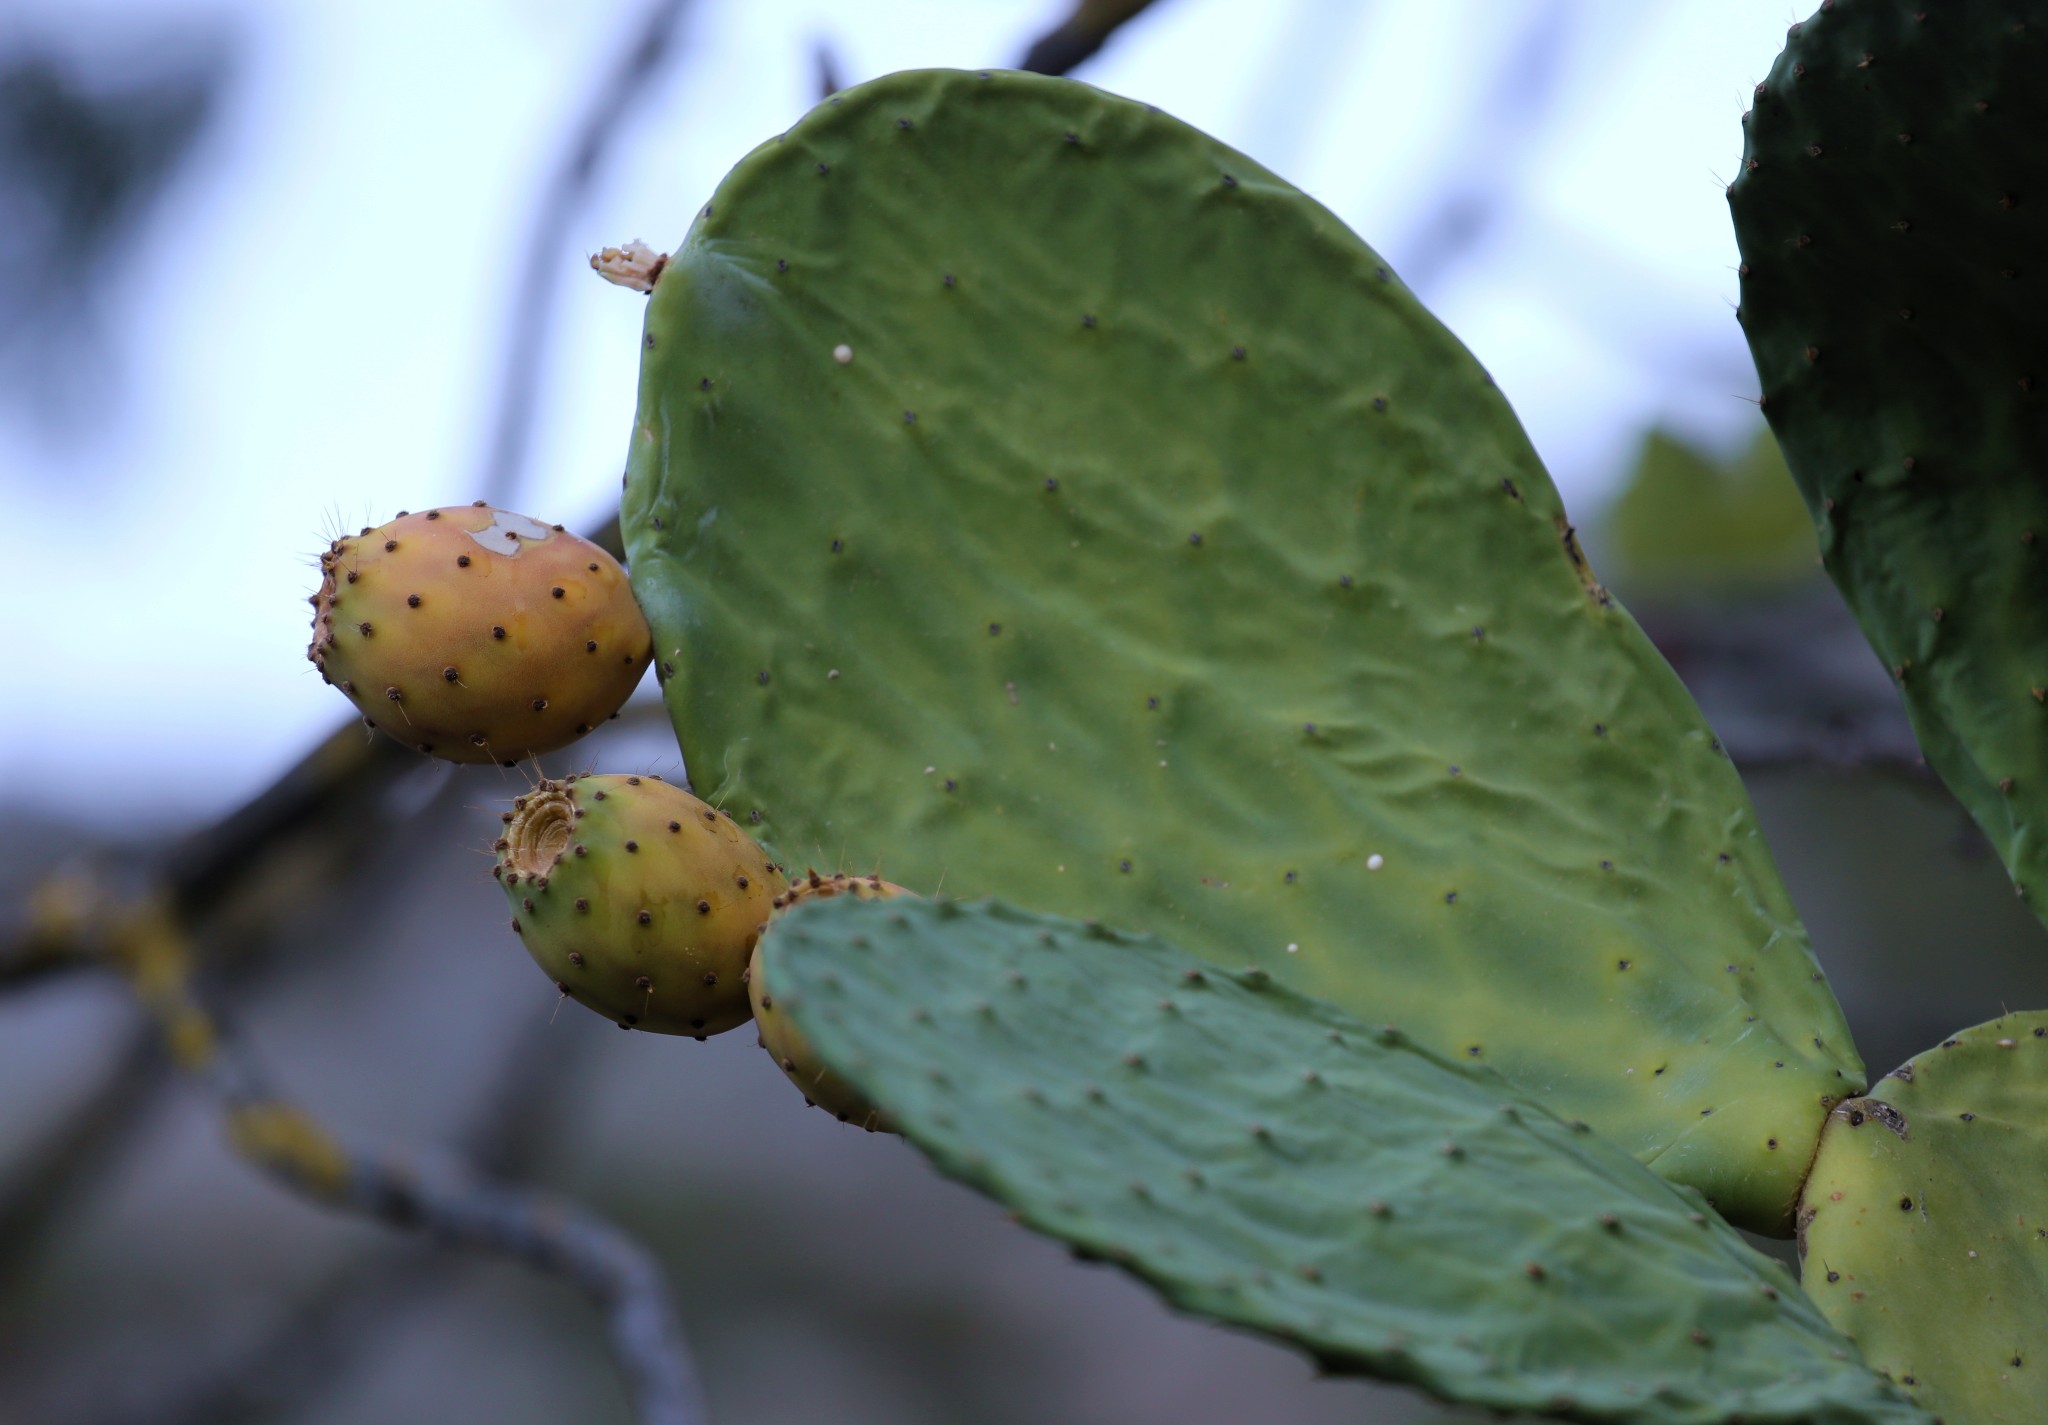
(1893, 218)
(1266, 1160)
(1924, 1227)
(1034, 496)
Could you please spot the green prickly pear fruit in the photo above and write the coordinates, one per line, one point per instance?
(784, 1042)
(476, 634)
(639, 900)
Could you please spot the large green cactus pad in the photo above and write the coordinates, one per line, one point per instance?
(1893, 218)
(1924, 1227)
(1266, 1160)
(1039, 498)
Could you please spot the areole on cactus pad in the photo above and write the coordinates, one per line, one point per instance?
(1036, 493)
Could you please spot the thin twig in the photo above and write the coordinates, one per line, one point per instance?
(627, 83)
(143, 938)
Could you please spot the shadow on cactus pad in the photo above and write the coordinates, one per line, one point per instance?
(1032, 494)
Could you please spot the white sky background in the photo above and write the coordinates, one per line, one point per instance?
(313, 330)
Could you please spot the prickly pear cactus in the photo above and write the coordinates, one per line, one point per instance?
(1893, 213)
(1030, 488)
(1266, 1160)
(1924, 1227)
(784, 1042)
(476, 634)
(639, 901)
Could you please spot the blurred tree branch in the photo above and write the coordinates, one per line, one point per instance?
(92, 135)
(42, 1187)
(1076, 38)
(343, 1316)
(610, 104)
(141, 935)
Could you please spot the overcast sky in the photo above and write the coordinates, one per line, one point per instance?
(307, 338)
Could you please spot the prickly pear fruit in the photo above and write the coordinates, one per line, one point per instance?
(784, 1042)
(477, 634)
(639, 900)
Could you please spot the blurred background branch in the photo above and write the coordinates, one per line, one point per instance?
(324, 1333)
(86, 156)
(607, 114)
(142, 936)
(1078, 37)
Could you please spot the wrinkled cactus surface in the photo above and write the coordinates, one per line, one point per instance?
(1032, 490)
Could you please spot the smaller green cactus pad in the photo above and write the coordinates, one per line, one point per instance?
(1892, 213)
(1034, 493)
(638, 900)
(1924, 1227)
(1264, 1159)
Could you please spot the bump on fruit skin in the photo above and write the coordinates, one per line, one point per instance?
(784, 1042)
(476, 634)
(656, 938)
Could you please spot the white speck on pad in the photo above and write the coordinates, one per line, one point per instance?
(1375, 861)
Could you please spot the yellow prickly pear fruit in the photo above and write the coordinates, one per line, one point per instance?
(639, 901)
(477, 634)
(783, 1041)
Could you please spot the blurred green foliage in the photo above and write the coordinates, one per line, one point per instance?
(1687, 519)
